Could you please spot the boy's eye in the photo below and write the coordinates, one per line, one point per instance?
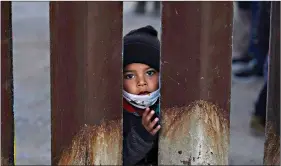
(150, 72)
(129, 76)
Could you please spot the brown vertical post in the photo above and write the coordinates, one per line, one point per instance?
(272, 142)
(86, 72)
(196, 83)
(7, 115)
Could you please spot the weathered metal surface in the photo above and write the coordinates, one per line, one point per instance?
(86, 75)
(196, 82)
(272, 143)
(95, 145)
(7, 115)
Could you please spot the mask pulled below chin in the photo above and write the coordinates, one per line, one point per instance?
(142, 101)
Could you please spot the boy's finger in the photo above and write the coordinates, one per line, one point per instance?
(146, 111)
(144, 115)
(154, 131)
(149, 116)
(152, 124)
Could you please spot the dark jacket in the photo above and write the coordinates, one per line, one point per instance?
(139, 146)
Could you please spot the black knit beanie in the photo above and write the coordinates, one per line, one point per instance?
(142, 46)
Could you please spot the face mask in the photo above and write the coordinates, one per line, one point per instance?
(142, 101)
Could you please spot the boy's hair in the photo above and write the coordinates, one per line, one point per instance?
(142, 46)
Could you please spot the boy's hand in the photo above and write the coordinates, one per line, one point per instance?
(146, 121)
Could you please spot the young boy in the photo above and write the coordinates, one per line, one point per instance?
(141, 60)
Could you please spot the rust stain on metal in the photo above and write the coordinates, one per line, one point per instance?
(96, 145)
(272, 148)
(200, 131)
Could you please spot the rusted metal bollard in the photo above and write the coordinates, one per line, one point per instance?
(272, 143)
(86, 82)
(196, 82)
(7, 115)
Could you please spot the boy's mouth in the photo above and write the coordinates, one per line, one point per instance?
(144, 93)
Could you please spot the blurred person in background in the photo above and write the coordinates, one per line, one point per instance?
(258, 117)
(241, 35)
(255, 56)
(250, 48)
(141, 6)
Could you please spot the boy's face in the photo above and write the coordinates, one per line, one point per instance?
(140, 79)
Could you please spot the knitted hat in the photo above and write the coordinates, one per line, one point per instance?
(142, 46)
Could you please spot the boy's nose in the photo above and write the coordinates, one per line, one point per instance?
(142, 83)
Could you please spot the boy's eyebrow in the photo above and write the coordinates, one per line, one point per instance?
(125, 71)
(149, 68)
